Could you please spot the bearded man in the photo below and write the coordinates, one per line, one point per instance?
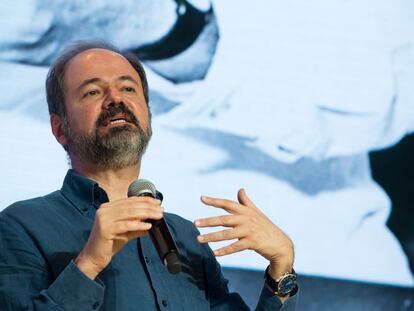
(86, 246)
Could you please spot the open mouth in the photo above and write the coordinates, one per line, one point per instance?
(118, 119)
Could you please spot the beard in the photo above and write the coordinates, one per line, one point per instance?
(120, 147)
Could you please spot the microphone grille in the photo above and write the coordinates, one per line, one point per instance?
(142, 187)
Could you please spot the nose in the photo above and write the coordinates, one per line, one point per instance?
(113, 98)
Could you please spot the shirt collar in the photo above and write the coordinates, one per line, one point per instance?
(82, 192)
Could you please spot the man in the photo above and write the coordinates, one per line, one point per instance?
(85, 247)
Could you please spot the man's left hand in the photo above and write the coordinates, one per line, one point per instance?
(252, 229)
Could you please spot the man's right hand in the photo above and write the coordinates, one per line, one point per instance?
(115, 224)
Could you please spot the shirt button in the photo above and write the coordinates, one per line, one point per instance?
(95, 305)
(164, 303)
(147, 260)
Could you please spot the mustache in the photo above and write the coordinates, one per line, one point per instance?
(112, 111)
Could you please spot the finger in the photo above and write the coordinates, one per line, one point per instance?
(121, 213)
(135, 199)
(244, 199)
(136, 234)
(222, 235)
(123, 227)
(132, 201)
(128, 236)
(224, 221)
(228, 205)
(144, 199)
(140, 213)
(235, 247)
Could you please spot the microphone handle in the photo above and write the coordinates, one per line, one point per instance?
(165, 246)
(164, 243)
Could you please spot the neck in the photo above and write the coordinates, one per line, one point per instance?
(115, 182)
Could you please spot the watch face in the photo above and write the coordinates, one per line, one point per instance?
(287, 284)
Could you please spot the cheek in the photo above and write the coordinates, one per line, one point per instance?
(140, 109)
(83, 119)
(143, 116)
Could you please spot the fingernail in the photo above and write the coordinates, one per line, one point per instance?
(197, 222)
(200, 238)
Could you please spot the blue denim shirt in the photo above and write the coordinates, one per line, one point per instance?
(39, 239)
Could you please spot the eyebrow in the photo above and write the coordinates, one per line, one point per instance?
(97, 80)
(127, 78)
(88, 81)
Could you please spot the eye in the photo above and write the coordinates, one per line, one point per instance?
(129, 89)
(91, 93)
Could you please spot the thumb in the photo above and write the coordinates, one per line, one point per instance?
(244, 199)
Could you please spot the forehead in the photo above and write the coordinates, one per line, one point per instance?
(96, 63)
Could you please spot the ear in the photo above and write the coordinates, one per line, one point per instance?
(57, 129)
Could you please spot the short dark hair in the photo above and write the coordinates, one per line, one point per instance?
(55, 87)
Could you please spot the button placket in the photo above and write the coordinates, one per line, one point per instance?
(156, 270)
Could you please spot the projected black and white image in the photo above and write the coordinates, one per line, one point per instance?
(285, 99)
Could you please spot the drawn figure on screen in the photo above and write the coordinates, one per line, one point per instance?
(291, 97)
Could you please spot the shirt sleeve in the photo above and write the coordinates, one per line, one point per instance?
(269, 301)
(26, 283)
(221, 299)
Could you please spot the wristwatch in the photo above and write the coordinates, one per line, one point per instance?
(283, 285)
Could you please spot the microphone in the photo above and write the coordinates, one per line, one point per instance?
(159, 233)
